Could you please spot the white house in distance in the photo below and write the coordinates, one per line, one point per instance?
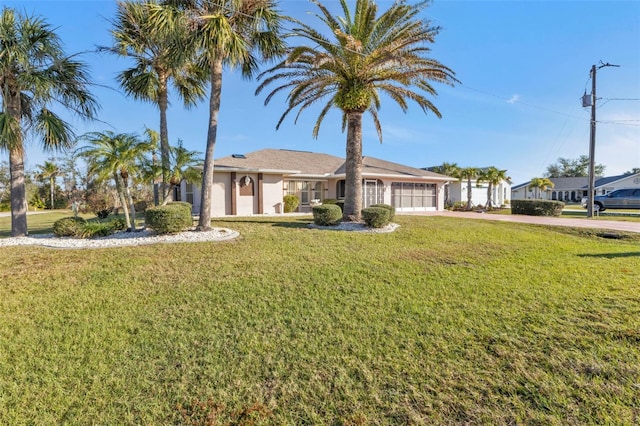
(499, 193)
(572, 189)
(255, 183)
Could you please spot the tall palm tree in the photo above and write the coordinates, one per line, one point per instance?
(469, 173)
(231, 33)
(364, 56)
(539, 185)
(49, 171)
(117, 156)
(492, 176)
(448, 169)
(160, 59)
(34, 74)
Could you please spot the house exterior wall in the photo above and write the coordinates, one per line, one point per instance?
(500, 194)
(632, 181)
(272, 194)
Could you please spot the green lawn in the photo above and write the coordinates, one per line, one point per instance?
(444, 321)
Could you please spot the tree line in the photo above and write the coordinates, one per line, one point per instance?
(186, 46)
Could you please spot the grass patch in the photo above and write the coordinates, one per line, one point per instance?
(445, 321)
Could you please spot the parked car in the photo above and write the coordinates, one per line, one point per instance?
(618, 199)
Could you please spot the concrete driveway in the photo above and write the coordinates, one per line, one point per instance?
(594, 223)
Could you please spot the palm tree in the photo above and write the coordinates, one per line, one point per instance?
(540, 184)
(447, 169)
(35, 73)
(185, 165)
(469, 173)
(159, 59)
(116, 156)
(493, 176)
(227, 33)
(49, 171)
(365, 56)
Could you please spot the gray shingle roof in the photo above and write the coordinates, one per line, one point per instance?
(307, 163)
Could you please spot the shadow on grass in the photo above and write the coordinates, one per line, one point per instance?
(612, 255)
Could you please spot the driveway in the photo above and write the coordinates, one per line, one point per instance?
(593, 223)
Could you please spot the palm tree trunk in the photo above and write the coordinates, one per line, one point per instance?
(16, 164)
(163, 103)
(122, 199)
(51, 189)
(353, 172)
(489, 188)
(18, 194)
(469, 196)
(132, 209)
(206, 199)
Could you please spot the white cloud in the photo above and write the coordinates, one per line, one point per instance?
(513, 99)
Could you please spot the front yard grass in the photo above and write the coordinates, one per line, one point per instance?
(444, 321)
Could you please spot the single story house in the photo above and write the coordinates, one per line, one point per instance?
(500, 193)
(255, 183)
(572, 189)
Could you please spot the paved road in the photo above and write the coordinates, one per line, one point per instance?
(594, 223)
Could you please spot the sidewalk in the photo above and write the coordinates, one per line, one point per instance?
(593, 223)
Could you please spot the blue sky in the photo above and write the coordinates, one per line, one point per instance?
(523, 67)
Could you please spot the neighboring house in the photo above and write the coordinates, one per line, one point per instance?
(572, 189)
(458, 192)
(499, 194)
(255, 183)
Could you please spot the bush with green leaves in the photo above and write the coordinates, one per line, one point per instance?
(94, 229)
(329, 201)
(103, 213)
(169, 219)
(327, 215)
(68, 226)
(118, 223)
(375, 217)
(340, 203)
(392, 210)
(291, 203)
(537, 207)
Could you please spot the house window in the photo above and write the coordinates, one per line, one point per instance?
(189, 193)
(340, 189)
(306, 190)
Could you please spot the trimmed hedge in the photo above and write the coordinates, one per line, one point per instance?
(69, 226)
(291, 203)
(327, 215)
(537, 207)
(392, 210)
(169, 219)
(340, 203)
(375, 217)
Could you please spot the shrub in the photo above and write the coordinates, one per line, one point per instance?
(327, 215)
(291, 203)
(392, 210)
(459, 205)
(118, 223)
(68, 226)
(537, 207)
(329, 201)
(340, 203)
(168, 219)
(181, 204)
(96, 229)
(375, 217)
(103, 213)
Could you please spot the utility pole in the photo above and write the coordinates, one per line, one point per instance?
(592, 139)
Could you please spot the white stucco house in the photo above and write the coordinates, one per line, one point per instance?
(572, 189)
(500, 194)
(255, 183)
